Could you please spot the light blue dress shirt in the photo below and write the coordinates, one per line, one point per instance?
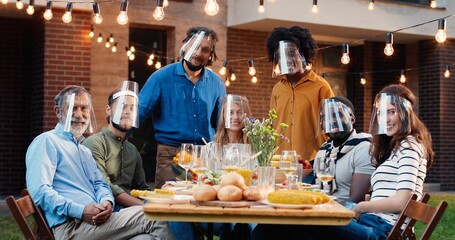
(62, 176)
(182, 112)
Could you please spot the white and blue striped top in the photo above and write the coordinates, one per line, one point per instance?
(404, 170)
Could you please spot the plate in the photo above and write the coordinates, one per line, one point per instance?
(289, 206)
(229, 204)
(178, 199)
(302, 186)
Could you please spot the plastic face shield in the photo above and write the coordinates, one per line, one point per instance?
(335, 117)
(236, 110)
(77, 114)
(390, 115)
(125, 105)
(199, 44)
(287, 59)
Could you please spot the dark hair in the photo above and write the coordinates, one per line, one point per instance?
(60, 98)
(383, 145)
(208, 32)
(110, 101)
(300, 36)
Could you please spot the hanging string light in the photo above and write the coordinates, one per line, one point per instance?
(100, 38)
(433, 3)
(211, 7)
(158, 63)
(31, 7)
(261, 8)
(403, 77)
(223, 68)
(108, 43)
(371, 5)
(254, 79)
(111, 38)
(251, 69)
(388, 49)
(48, 13)
(232, 74)
(227, 83)
(447, 71)
(91, 34)
(165, 3)
(363, 81)
(345, 57)
(114, 48)
(315, 6)
(158, 14)
(441, 34)
(66, 18)
(97, 18)
(19, 4)
(122, 17)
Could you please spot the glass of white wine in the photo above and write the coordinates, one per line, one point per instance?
(186, 150)
(288, 164)
(200, 161)
(325, 170)
(231, 159)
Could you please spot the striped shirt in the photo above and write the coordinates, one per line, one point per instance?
(404, 170)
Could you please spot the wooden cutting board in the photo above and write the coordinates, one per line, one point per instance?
(234, 204)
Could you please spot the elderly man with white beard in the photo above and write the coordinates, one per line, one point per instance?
(63, 179)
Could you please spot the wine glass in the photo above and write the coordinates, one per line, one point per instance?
(199, 159)
(325, 170)
(185, 159)
(288, 164)
(231, 159)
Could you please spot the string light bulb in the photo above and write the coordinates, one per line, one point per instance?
(97, 18)
(371, 5)
(388, 49)
(31, 8)
(433, 3)
(158, 65)
(111, 38)
(232, 74)
(363, 81)
(4, 2)
(152, 56)
(132, 57)
(107, 44)
(48, 13)
(254, 79)
(227, 83)
(441, 34)
(150, 62)
(158, 14)
(114, 48)
(447, 71)
(345, 57)
(19, 4)
(66, 18)
(261, 8)
(122, 17)
(165, 3)
(211, 7)
(128, 51)
(100, 38)
(223, 68)
(315, 8)
(403, 77)
(251, 69)
(91, 34)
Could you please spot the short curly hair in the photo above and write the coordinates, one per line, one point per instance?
(209, 32)
(300, 36)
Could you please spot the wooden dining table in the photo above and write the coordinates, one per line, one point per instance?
(331, 213)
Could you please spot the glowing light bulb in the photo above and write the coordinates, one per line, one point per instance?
(100, 38)
(402, 77)
(388, 49)
(371, 5)
(132, 57)
(128, 53)
(111, 38)
(158, 14)
(165, 3)
(67, 16)
(30, 10)
(251, 69)
(48, 15)
(97, 18)
(433, 4)
(261, 9)
(114, 48)
(152, 56)
(363, 81)
(233, 77)
(158, 65)
(122, 17)
(315, 6)
(227, 83)
(132, 49)
(222, 71)
(345, 57)
(441, 34)
(447, 71)
(107, 44)
(254, 79)
(4, 2)
(211, 7)
(19, 4)
(150, 62)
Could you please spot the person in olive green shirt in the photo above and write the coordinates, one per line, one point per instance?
(119, 160)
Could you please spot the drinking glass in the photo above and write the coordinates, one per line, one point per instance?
(325, 170)
(246, 165)
(185, 159)
(200, 162)
(231, 159)
(288, 164)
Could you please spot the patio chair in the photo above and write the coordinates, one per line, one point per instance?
(418, 211)
(22, 209)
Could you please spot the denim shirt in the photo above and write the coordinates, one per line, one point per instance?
(62, 176)
(182, 112)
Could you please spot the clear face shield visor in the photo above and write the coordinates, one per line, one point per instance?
(199, 44)
(287, 59)
(334, 117)
(125, 105)
(77, 115)
(237, 110)
(390, 115)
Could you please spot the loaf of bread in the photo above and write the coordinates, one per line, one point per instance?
(297, 197)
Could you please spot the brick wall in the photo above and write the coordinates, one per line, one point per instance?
(436, 107)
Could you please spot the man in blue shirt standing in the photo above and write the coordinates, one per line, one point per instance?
(183, 100)
(63, 179)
